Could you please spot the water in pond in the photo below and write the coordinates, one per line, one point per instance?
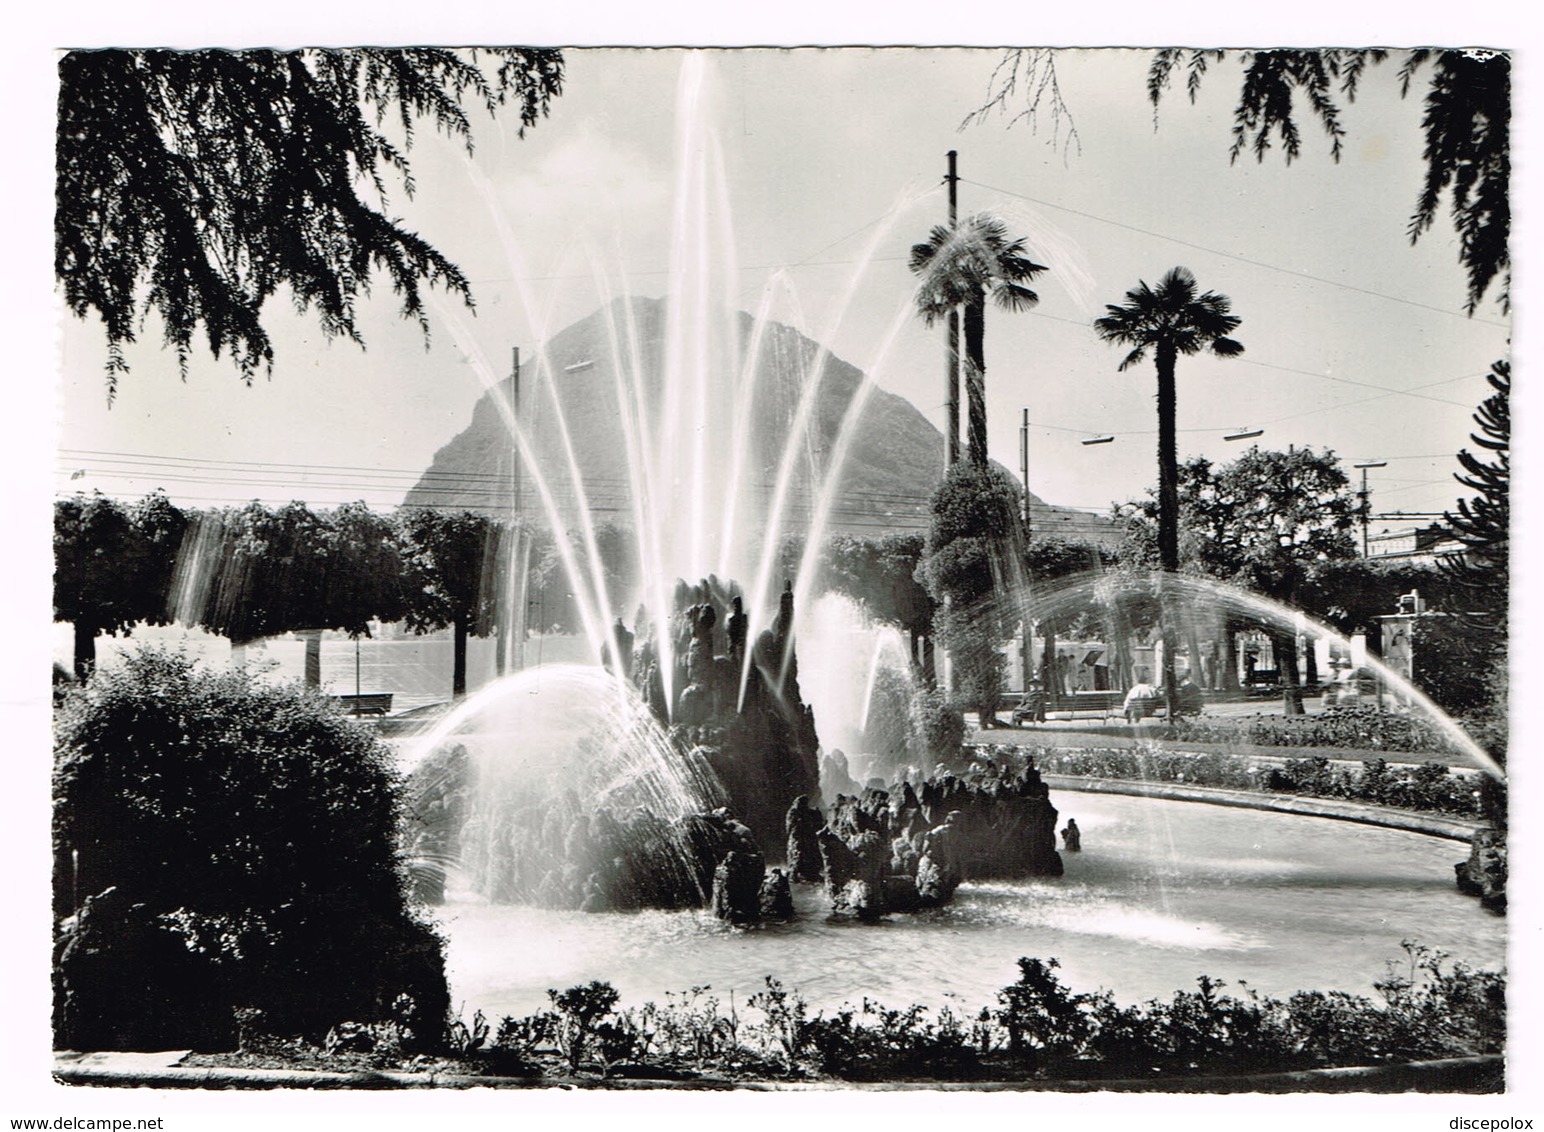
(1162, 891)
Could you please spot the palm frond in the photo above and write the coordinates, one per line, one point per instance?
(1132, 359)
(1172, 317)
(1014, 297)
(962, 265)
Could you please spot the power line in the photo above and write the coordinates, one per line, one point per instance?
(1238, 258)
(1363, 384)
(1368, 400)
(447, 483)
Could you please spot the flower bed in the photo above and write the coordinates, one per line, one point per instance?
(1364, 729)
(1429, 788)
(1037, 1029)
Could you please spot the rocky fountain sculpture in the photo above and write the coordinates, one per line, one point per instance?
(667, 779)
(698, 784)
(663, 801)
(908, 848)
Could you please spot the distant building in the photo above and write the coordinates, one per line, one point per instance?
(1418, 546)
(1048, 521)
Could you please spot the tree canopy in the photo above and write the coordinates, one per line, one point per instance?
(196, 184)
(1260, 521)
(113, 566)
(1465, 126)
(882, 573)
(452, 564)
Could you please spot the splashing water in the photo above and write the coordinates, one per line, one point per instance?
(1202, 606)
(695, 504)
(565, 772)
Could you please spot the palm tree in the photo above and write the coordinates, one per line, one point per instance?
(961, 267)
(1171, 320)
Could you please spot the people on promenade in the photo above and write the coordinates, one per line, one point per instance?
(1032, 706)
(1140, 700)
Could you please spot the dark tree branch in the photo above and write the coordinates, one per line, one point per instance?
(193, 185)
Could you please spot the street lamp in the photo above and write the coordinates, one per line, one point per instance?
(1362, 495)
(1243, 434)
(1099, 440)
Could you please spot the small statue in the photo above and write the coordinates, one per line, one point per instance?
(1072, 839)
(737, 624)
(619, 651)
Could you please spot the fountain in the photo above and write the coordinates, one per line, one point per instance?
(860, 683)
(661, 779)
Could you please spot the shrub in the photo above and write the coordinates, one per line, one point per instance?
(937, 727)
(221, 844)
(515, 1042)
(579, 1024)
(1429, 787)
(1042, 1018)
(786, 1030)
(1354, 727)
(973, 553)
(876, 1042)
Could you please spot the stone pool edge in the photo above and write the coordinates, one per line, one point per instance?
(1337, 809)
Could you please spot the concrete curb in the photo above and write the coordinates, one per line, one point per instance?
(1482, 1074)
(1433, 825)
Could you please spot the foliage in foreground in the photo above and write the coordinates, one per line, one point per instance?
(199, 184)
(1037, 1028)
(221, 846)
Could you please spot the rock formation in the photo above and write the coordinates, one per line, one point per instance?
(1483, 874)
(762, 748)
(901, 850)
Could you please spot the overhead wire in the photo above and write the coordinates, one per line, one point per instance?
(1233, 255)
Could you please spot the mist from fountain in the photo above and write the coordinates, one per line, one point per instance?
(858, 678)
(689, 495)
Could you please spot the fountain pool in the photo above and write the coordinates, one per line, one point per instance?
(1163, 891)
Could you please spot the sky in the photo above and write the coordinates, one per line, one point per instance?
(832, 166)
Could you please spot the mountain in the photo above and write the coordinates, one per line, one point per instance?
(895, 459)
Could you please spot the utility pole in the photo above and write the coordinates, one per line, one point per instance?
(514, 648)
(952, 356)
(1029, 632)
(1363, 496)
(1024, 466)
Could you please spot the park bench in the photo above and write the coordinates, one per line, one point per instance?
(366, 703)
(1075, 705)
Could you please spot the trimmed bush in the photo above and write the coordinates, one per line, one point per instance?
(219, 845)
(1368, 729)
(937, 727)
(1430, 787)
